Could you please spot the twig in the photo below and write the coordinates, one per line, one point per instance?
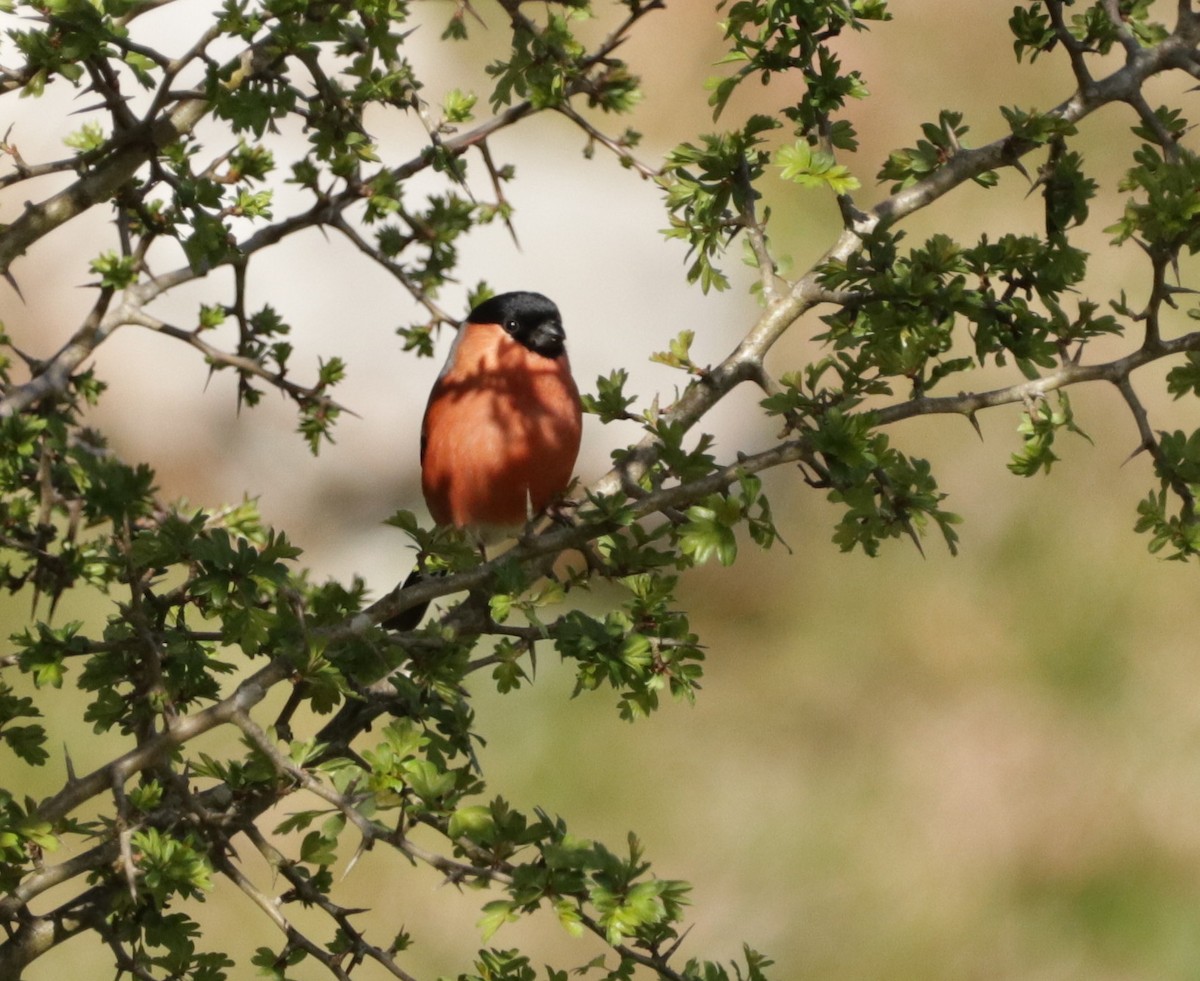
(35, 935)
(341, 224)
(1130, 43)
(768, 273)
(301, 394)
(1149, 443)
(250, 692)
(1075, 50)
(54, 375)
(370, 832)
(99, 184)
(619, 150)
(303, 888)
(284, 766)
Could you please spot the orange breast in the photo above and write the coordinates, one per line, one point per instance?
(501, 432)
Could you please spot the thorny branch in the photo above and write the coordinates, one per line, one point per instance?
(786, 305)
(745, 362)
(108, 175)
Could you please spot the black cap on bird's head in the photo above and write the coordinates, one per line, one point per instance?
(529, 318)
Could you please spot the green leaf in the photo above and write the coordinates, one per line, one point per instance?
(569, 916)
(475, 821)
(317, 849)
(90, 137)
(678, 353)
(495, 914)
(808, 167)
(457, 106)
(116, 272)
(427, 781)
(708, 532)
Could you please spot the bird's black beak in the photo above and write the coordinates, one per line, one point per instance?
(547, 339)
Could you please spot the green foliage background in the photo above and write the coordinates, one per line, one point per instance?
(906, 767)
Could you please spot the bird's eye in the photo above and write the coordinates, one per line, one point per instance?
(511, 326)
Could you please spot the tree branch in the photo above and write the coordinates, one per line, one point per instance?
(968, 403)
(101, 183)
(250, 692)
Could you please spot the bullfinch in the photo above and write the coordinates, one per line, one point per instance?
(502, 426)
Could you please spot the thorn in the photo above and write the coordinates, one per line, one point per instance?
(362, 847)
(466, 5)
(33, 364)
(1141, 448)
(675, 946)
(106, 104)
(975, 425)
(474, 760)
(916, 539)
(10, 279)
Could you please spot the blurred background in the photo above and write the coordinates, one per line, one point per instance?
(911, 767)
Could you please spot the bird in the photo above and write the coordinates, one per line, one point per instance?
(503, 423)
